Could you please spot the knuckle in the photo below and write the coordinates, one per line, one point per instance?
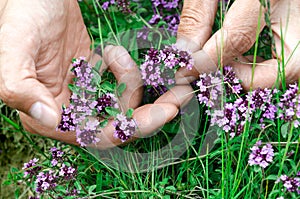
(8, 92)
(239, 42)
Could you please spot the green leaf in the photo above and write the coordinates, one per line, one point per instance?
(284, 129)
(112, 111)
(129, 113)
(108, 86)
(98, 65)
(91, 189)
(121, 88)
(272, 177)
(103, 123)
(7, 182)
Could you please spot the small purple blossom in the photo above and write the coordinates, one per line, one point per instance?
(292, 184)
(261, 155)
(31, 168)
(289, 105)
(82, 105)
(45, 181)
(159, 67)
(57, 156)
(124, 127)
(123, 5)
(210, 88)
(232, 83)
(106, 100)
(68, 173)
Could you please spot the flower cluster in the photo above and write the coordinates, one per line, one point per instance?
(45, 181)
(163, 11)
(123, 5)
(48, 177)
(57, 156)
(124, 127)
(106, 100)
(83, 102)
(67, 172)
(210, 88)
(261, 155)
(31, 168)
(231, 82)
(160, 66)
(292, 184)
(236, 111)
(289, 104)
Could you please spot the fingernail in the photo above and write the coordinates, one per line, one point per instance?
(124, 58)
(44, 114)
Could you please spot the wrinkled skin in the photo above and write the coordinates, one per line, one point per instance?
(237, 36)
(38, 40)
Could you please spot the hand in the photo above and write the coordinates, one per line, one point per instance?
(237, 36)
(38, 40)
(148, 117)
(37, 44)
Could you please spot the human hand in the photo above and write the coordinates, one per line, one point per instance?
(148, 117)
(38, 40)
(237, 36)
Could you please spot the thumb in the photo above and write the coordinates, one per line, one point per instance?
(20, 89)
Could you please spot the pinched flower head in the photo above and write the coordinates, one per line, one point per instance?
(159, 67)
(87, 134)
(45, 181)
(292, 184)
(124, 127)
(31, 168)
(106, 100)
(261, 156)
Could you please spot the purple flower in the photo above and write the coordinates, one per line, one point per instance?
(88, 134)
(232, 83)
(159, 67)
(31, 168)
(124, 127)
(106, 100)
(122, 5)
(68, 173)
(57, 156)
(82, 106)
(292, 184)
(289, 105)
(45, 181)
(261, 155)
(209, 88)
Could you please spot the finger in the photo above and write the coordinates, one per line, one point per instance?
(19, 87)
(126, 71)
(179, 95)
(196, 23)
(238, 33)
(202, 64)
(148, 118)
(264, 75)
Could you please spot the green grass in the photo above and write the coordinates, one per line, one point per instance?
(222, 172)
